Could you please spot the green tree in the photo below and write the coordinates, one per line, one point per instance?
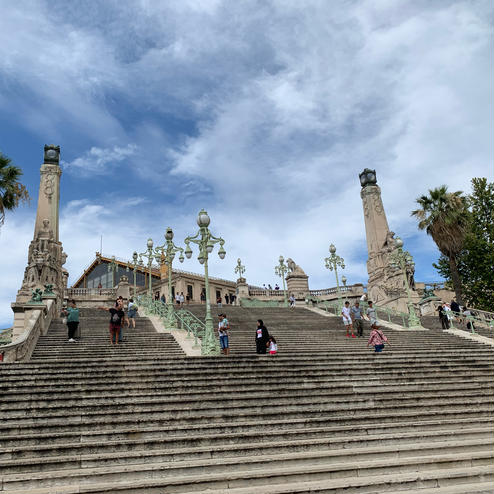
(476, 260)
(12, 192)
(444, 216)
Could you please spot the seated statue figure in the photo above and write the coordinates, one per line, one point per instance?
(294, 268)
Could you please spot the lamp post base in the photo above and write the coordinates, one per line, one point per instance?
(209, 345)
(413, 320)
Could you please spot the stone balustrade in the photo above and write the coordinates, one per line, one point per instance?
(35, 320)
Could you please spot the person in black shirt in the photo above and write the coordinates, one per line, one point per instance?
(116, 316)
(443, 317)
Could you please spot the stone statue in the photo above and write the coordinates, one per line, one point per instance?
(428, 292)
(390, 242)
(48, 289)
(294, 268)
(45, 235)
(36, 296)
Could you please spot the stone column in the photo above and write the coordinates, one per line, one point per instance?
(298, 285)
(385, 286)
(45, 255)
(242, 290)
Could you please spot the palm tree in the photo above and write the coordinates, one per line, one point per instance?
(444, 216)
(12, 192)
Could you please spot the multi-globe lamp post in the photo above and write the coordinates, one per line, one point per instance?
(166, 253)
(281, 269)
(133, 265)
(205, 240)
(332, 262)
(149, 255)
(402, 259)
(239, 268)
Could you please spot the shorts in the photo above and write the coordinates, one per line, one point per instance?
(378, 348)
(272, 352)
(132, 314)
(347, 322)
(224, 342)
(114, 328)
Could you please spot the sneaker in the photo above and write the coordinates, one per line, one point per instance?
(353, 336)
(71, 340)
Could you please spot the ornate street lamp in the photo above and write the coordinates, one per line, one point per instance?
(239, 269)
(205, 240)
(112, 266)
(166, 252)
(402, 259)
(332, 262)
(343, 280)
(133, 265)
(280, 270)
(149, 255)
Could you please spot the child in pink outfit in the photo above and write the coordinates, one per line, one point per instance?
(377, 339)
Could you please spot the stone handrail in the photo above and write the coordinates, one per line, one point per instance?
(36, 325)
(5, 336)
(267, 293)
(382, 313)
(330, 291)
(87, 292)
(255, 303)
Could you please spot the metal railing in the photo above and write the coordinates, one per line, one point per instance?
(256, 303)
(189, 322)
(382, 313)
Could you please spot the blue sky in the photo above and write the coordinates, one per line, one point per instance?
(261, 112)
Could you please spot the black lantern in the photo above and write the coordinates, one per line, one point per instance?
(368, 177)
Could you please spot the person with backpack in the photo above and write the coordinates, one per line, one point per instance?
(72, 314)
(116, 316)
(377, 339)
(132, 311)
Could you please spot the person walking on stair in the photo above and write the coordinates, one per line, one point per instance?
(272, 345)
(72, 313)
(223, 327)
(262, 337)
(443, 317)
(356, 314)
(119, 304)
(377, 339)
(371, 313)
(116, 317)
(347, 319)
(131, 312)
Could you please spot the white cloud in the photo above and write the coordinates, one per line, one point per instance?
(264, 117)
(99, 161)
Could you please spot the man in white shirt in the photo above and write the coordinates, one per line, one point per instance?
(347, 319)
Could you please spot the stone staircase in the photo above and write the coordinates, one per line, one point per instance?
(326, 415)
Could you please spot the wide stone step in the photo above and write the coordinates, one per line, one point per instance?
(254, 429)
(176, 448)
(246, 471)
(140, 389)
(325, 415)
(200, 401)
